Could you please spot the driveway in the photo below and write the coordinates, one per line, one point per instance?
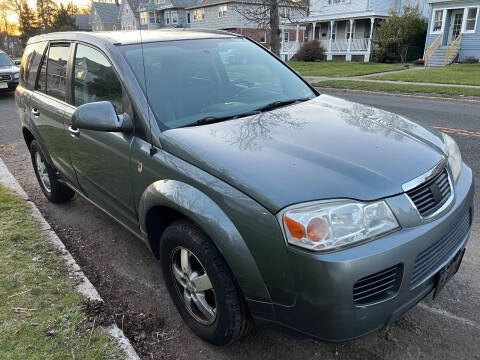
(129, 278)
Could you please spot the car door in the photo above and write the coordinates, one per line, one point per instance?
(48, 103)
(101, 159)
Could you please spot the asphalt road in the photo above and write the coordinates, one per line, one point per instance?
(128, 276)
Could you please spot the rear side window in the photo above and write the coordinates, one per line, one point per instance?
(57, 70)
(94, 79)
(30, 64)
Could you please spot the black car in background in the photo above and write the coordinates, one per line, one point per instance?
(9, 72)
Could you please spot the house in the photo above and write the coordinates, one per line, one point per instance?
(229, 15)
(345, 28)
(453, 31)
(82, 22)
(104, 16)
(157, 14)
(128, 15)
(12, 45)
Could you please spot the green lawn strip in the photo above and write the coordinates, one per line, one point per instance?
(342, 68)
(399, 88)
(458, 74)
(40, 313)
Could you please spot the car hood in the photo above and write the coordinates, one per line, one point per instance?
(9, 69)
(321, 149)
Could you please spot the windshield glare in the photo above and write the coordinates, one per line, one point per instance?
(191, 80)
(5, 60)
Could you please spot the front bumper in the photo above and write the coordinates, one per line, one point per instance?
(325, 306)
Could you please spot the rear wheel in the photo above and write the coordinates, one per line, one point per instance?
(54, 190)
(202, 286)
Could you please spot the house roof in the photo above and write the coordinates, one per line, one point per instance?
(82, 21)
(204, 3)
(106, 11)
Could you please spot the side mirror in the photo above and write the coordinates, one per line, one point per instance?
(100, 116)
(17, 62)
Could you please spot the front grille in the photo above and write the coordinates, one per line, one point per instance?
(432, 257)
(5, 77)
(431, 195)
(379, 286)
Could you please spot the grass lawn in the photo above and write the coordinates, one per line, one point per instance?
(342, 68)
(40, 315)
(399, 88)
(460, 74)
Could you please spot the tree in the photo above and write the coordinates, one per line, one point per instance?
(27, 21)
(45, 11)
(265, 14)
(63, 19)
(400, 32)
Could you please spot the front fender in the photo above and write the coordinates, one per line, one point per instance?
(199, 208)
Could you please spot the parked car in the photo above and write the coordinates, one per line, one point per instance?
(9, 72)
(264, 200)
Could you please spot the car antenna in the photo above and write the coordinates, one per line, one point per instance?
(153, 150)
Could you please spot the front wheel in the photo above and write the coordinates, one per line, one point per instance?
(54, 190)
(202, 286)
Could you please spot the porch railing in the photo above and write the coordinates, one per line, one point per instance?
(432, 48)
(341, 45)
(453, 50)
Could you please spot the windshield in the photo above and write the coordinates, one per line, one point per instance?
(5, 60)
(191, 80)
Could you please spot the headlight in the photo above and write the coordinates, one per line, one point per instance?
(453, 155)
(336, 224)
(16, 75)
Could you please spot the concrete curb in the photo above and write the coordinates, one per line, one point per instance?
(84, 286)
(384, 93)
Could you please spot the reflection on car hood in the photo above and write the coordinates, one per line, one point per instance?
(9, 69)
(320, 149)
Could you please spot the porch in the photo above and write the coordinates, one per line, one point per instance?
(448, 27)
(345, 38)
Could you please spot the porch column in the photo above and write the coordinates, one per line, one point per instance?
(296, 36)
(282, 40)
(348, 57)
(314, 24)
(330, 40)
(369, 52)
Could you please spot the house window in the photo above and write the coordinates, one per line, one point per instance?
(153, 18)
(437, 21)
(263, 37)
(143, 18)
(222, 11)
(286, 36)
(285, 13)
(167, 17)
(471, 23)
(198, 14)
(160, 1)
(188, 17)
(174, 17)
(338, 2)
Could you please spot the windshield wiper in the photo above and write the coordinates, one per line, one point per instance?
(216, 119)
(277, 104)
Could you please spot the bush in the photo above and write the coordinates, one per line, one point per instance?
(470, 60)
(400, 32)
(310, 51)
(419, 62)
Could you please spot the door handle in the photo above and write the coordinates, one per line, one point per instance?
(73, 132)
(35, 112)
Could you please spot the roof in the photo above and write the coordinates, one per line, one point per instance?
(133, 36)
(205, 3)
(106, 11)
(82, 21)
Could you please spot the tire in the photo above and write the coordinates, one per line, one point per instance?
(54, 190)
(231, 318)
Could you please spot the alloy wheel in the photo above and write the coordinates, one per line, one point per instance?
(42, 171)
(194, 286)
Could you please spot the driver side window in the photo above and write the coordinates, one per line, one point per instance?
(94, 79)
